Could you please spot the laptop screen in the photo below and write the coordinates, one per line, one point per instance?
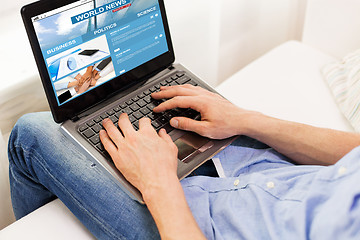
(88, 43)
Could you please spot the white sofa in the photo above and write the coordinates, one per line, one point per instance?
(284, 83)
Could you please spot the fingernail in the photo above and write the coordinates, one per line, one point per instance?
(174, 123)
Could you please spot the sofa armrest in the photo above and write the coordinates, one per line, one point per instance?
(52, 221)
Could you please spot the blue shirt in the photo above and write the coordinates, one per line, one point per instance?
(265, 197)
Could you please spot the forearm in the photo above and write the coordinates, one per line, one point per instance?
(302, 143)
(171, 213)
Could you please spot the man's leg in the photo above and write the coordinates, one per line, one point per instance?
(45, 165)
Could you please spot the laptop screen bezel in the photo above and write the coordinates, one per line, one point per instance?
(74, 107)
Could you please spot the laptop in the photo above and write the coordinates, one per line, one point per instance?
(100, 58)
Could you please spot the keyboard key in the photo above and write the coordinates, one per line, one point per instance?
(164, 83)
(110, 112)
(83, 127)
(141, 95)
(134, 107)
(169, 80)
(136, 125)
(90, 123)
(95, 139)
(153, 89)
(148, 99)
(183, 80)
(147, 92)
(104, 115)
(156, 124)
(151, 106)
(135, 99)
(123, 105)
(117, 109)
(114, 119)
(152, 116)
(191, 114)
(96, 128)
(127, 110)
(169, 115)
(132, 118)
(100, 147)
(97, 119)
(168, 127)
(138, 115)
(192, 82)
(162, 120)
(141, 103)
(180, 74)
(174, 77)
(88, 133)
(117, 115)
(129, 102)
(145, 111)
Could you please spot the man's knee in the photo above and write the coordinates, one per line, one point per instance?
(40, 120)
(31, 125)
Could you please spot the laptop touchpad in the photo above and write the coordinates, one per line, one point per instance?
(190, 145)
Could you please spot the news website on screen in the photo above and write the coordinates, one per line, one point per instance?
(90, 42)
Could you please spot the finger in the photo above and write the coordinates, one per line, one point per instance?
(163, 134)
(125, 125)
(145, 124)
(193, 102)
(112, 131)
(188, 124)
(172, 91)
(108, 144)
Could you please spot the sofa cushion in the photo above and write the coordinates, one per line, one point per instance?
(343, 78)
(287, 83)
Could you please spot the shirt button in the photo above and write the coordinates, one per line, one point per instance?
(342, 170)
(270, 184)
(237, 181)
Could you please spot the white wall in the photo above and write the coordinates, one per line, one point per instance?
(321, 24)
(217, 38)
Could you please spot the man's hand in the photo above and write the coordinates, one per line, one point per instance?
(148, 160)
(220, 119)
(83, 87)
(86, 76)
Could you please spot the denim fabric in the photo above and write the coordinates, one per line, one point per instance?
(263, 196)
(45, 165)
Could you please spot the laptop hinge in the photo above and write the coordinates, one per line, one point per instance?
(75, 118)
(171, 67)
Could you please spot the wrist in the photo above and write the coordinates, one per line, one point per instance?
(78, 77)
(157, 192)
(251, 123)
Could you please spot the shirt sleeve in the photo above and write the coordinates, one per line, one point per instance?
(60, 86)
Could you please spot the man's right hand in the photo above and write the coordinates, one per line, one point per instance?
(220, 118)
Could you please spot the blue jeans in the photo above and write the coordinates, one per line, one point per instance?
(44, 165)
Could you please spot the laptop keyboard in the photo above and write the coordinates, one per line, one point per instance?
(139, 106)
